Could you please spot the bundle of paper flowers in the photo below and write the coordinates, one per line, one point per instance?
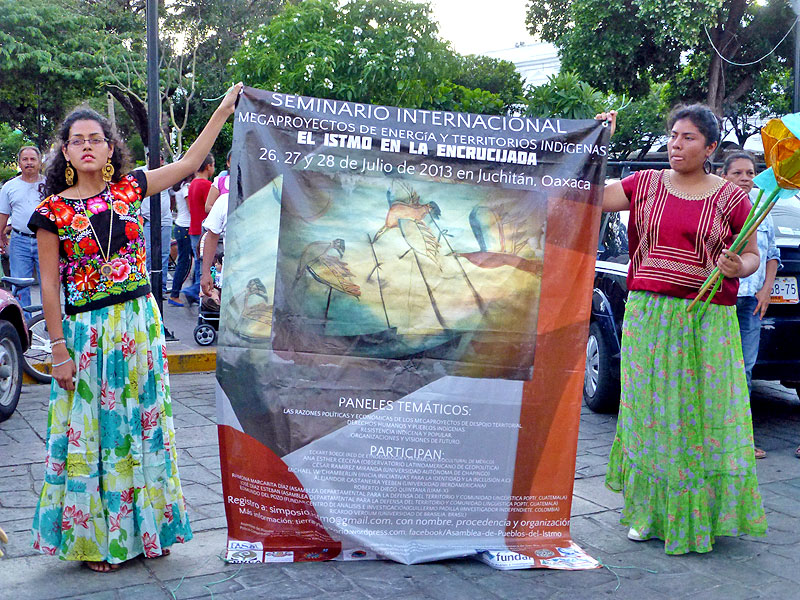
(781, 179)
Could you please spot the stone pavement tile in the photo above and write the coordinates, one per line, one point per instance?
(594, 490)
(450, 586)
(619, 589)
(194, 587)
(787, 551)
(202, 435)
(590, 465)
(15, 514)
(15, 454)
(779, 590)
(47, 578)
(197, 474)
(18, 526)
(778, 466)
(14, 482)
(200, 495)
(37, 470)
(328, 577)
(19, 543)
(509, 585)
(20, 499)
(199, 556)
(775, 564)
(781, 497)
(604, 532)
(381, 579)
(218, 522)
(189, 418)
(584, 507)
(680, 584)
(147, 591)
(201, 451)
(23, 436)
(210, 462)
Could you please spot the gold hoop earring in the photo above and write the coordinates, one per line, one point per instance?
(69, 174)
(108, 171)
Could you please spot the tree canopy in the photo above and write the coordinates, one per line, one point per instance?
(626, 46)
(375, 51)
(48, 62)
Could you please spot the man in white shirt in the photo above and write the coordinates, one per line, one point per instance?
(214, 224)
(18, 199)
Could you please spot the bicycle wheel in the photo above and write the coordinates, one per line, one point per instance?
(38, 356)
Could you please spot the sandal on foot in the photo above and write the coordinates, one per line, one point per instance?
(760, 453)
(797, 452)
(100, 566)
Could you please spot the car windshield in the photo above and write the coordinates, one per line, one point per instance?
(786, 217)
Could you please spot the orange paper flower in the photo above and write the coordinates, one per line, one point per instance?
(782, 153)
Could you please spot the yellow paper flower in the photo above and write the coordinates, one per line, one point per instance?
(782, 153)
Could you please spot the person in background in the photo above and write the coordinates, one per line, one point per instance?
(226, 170)
(196, 199)
(214, 224)
(18, 199)
(111, 489)
(219, 186)
(683, 451)
(180, 232)
(166, 232)
(754, 291)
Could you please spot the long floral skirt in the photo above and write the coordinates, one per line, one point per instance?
(111, 487)
(683, 453)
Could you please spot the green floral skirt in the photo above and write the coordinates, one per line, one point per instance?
(111, 488)
(683, 453)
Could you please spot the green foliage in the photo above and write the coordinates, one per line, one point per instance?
(624, 46)
(48, 62)
(374, 51)
(11, 140)
(640, 124)
(497, 76)
(566, 96)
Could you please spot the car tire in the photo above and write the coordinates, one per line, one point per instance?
(601, 383)
(10, 369)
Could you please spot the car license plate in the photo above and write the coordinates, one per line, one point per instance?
(784, 291)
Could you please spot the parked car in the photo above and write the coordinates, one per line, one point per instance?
(14, 341)
(779, 350)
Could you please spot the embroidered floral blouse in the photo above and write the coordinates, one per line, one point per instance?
(83, 244)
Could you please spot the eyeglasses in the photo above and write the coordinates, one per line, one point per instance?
(79, 141)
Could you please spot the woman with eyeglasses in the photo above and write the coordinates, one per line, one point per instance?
(111, 488)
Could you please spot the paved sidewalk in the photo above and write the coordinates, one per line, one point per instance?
(737, 569)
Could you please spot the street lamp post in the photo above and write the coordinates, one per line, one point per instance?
(154, 150)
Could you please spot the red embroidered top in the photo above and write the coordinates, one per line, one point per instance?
(675, 239)
(80, 254)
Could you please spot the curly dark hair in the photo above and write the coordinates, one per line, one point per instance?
(55, 182)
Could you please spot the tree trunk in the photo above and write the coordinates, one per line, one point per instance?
(136, 111)
(724, 39)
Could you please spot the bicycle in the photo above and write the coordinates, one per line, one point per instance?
(38, 356)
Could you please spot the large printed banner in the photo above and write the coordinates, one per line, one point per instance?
(404, 321)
